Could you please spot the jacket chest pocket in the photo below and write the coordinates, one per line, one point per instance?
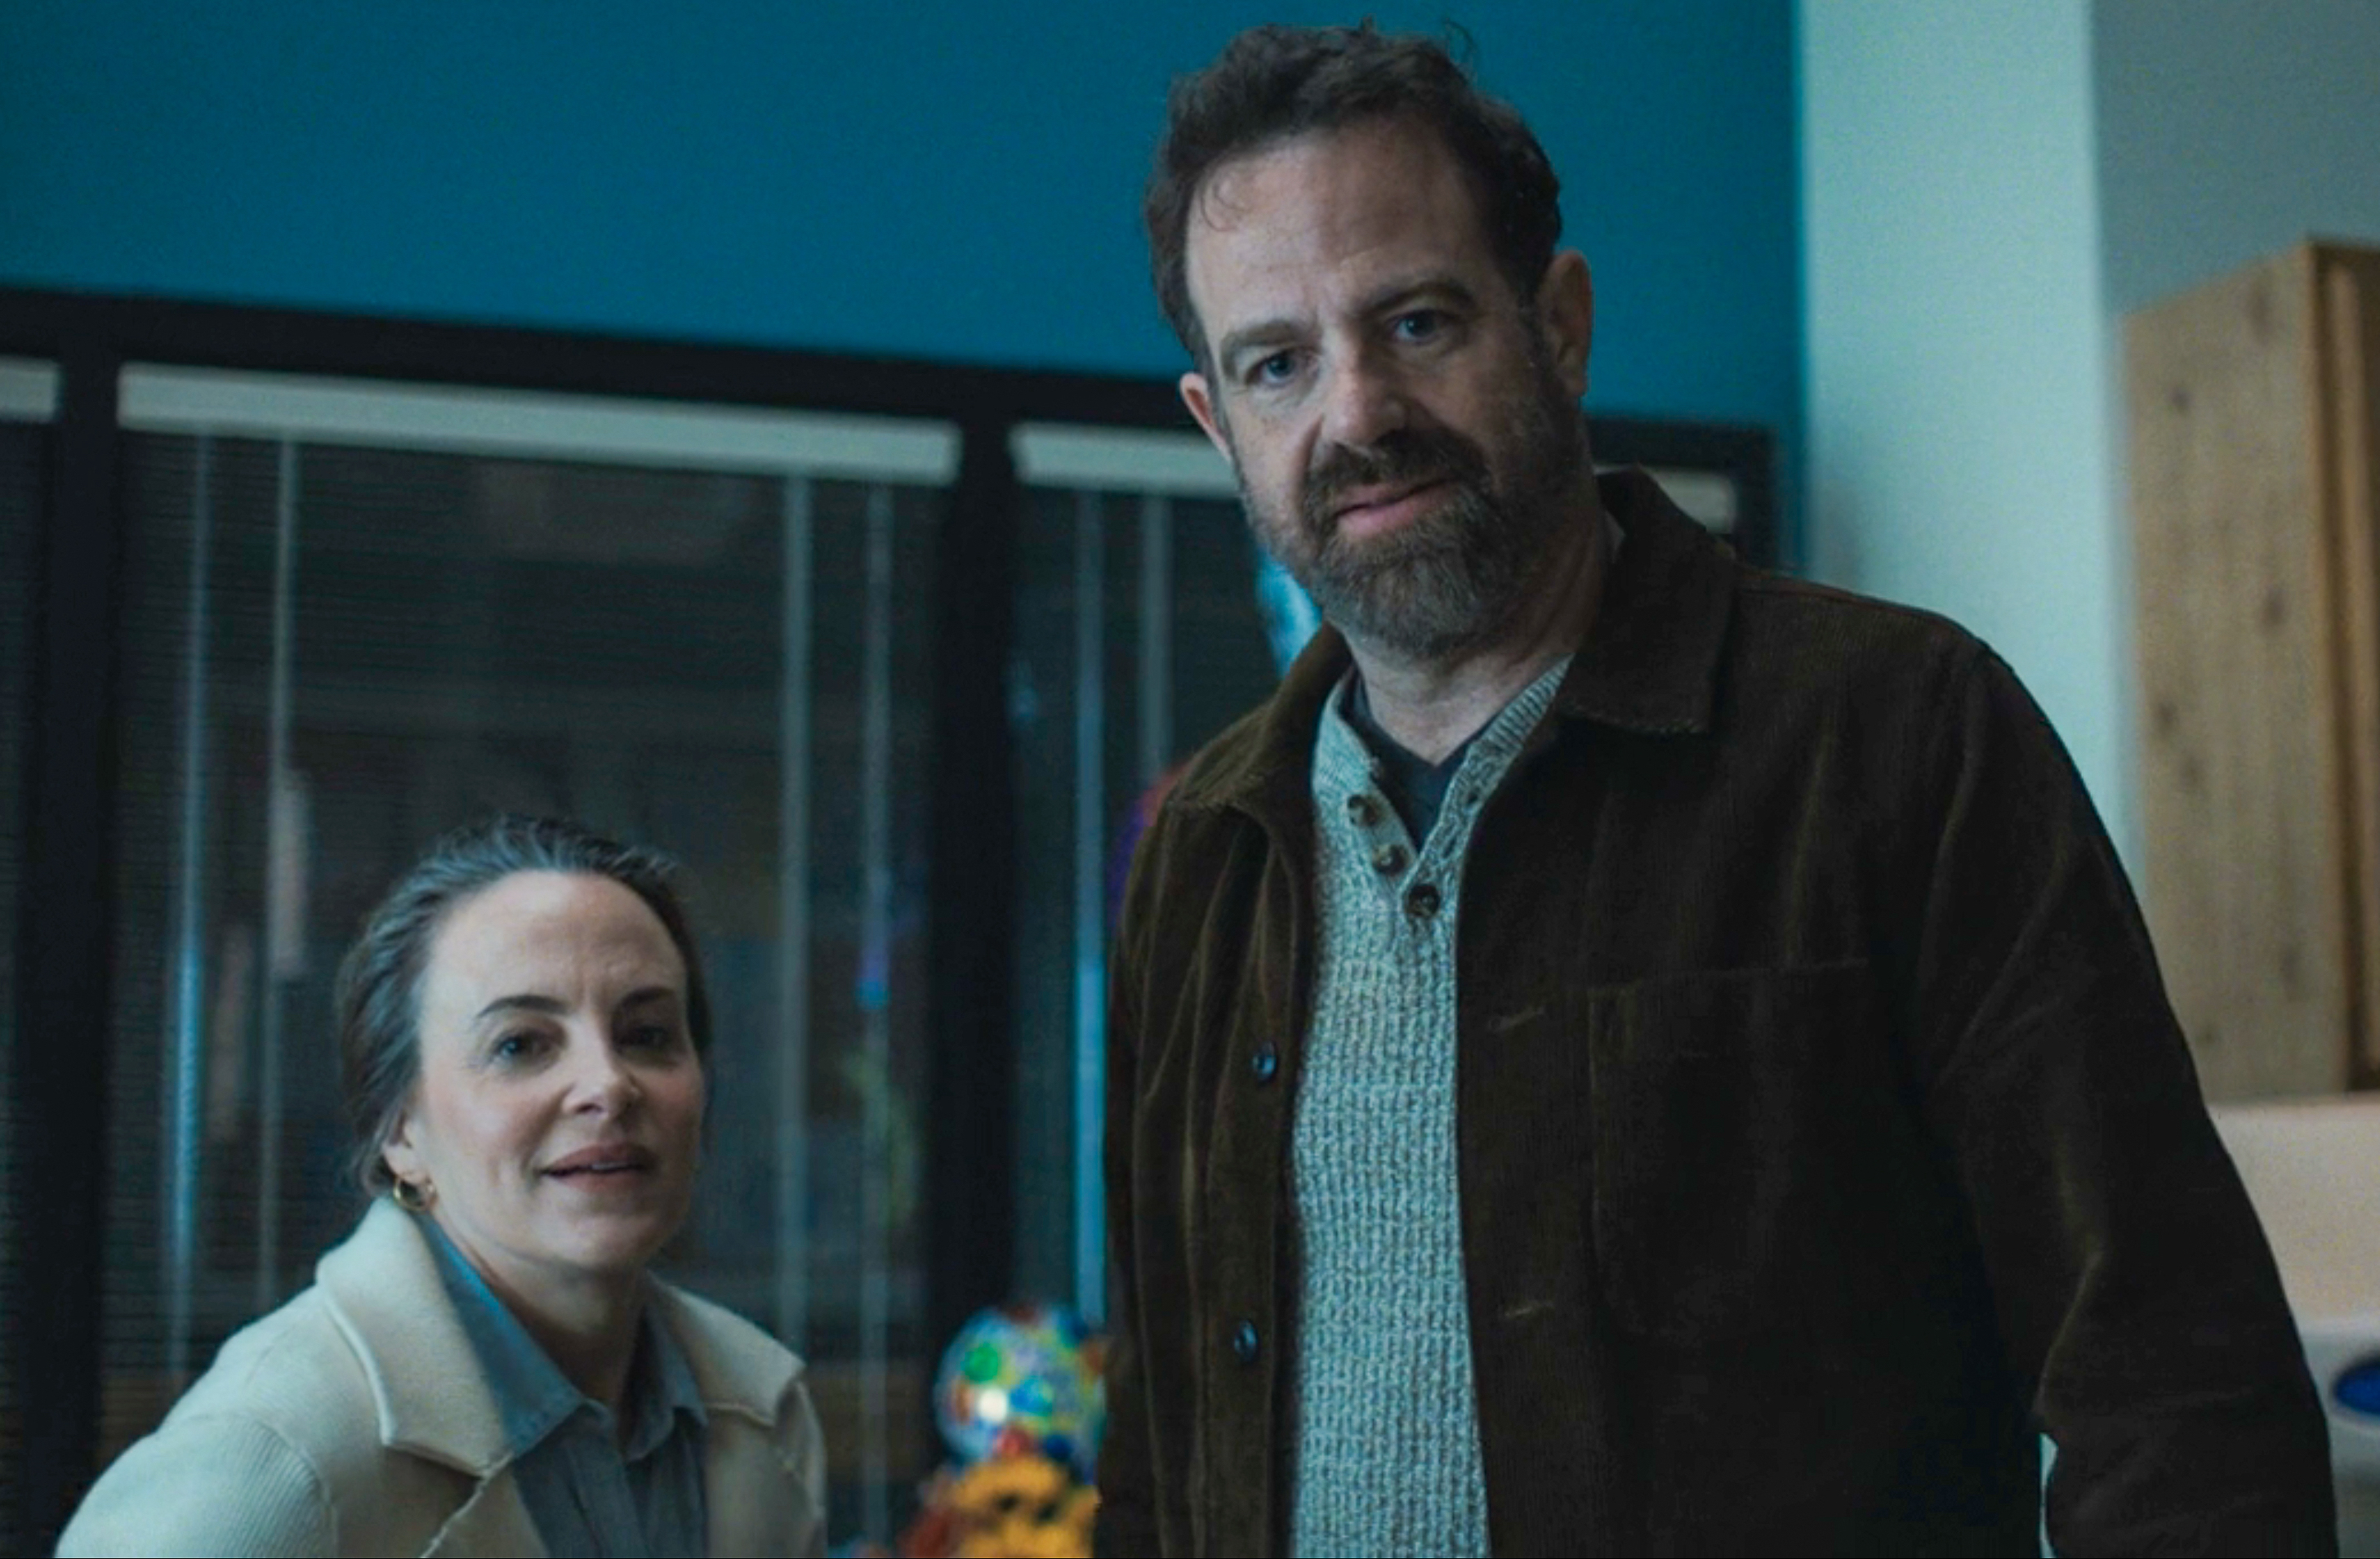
(1741, 1122)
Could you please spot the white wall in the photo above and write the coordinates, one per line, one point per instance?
(1958, 397)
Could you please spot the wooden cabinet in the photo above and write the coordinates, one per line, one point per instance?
(2255, 413)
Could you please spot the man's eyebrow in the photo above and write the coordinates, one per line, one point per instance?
(1421, 289)
(1266, 333)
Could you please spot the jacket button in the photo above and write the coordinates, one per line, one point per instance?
(1265, 1062)
(1421, 900)
(1364, 810)
(1389, 861)
(1244, 1342)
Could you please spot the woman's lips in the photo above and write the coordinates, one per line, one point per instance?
(603, 1159)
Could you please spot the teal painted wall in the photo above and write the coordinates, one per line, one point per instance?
(936, 179)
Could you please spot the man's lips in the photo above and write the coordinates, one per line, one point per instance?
(603, 1159)
(1370, 510)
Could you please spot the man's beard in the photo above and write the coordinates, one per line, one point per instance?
(1453, 578)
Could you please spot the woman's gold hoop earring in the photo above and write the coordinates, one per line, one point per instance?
(412, 1198)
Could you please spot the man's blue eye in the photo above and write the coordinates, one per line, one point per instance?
(1420, 325)
(1273, 369)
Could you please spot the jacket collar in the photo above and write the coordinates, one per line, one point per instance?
(386, 1292)
(737, 1367)
(385, 1289)
(1649, 665)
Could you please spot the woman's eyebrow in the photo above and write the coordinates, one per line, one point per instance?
(521, 1003)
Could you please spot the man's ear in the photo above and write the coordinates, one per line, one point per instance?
(1566, 313)
(1197, 395)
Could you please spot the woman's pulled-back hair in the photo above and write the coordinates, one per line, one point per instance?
(378, 997)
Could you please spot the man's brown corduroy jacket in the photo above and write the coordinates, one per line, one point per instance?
(1823, 1129)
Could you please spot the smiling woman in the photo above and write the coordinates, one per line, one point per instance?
(485, 1366)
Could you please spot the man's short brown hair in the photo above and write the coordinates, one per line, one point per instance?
(1273, 84)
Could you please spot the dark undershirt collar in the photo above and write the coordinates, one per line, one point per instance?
(1415, 786)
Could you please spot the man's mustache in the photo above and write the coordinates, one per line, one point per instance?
(1408, 457)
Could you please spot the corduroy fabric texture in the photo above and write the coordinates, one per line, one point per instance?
(1387, 1448)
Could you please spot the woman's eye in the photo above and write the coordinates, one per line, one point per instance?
(653, 1036)
(514, 1047)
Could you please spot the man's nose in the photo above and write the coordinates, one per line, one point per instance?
(1364, 397)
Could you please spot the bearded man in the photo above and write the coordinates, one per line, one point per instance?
(1624, 1053)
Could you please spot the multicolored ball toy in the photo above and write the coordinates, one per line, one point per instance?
(1021, 1380)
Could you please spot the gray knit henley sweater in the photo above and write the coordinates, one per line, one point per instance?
(1386, 1425)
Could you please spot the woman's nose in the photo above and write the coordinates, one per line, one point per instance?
(599, 1080)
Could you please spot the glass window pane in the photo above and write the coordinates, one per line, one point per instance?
(1139, 638)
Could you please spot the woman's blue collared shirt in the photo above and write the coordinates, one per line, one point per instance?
(589, 1490)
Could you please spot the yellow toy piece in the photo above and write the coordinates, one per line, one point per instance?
(1020, 1507)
